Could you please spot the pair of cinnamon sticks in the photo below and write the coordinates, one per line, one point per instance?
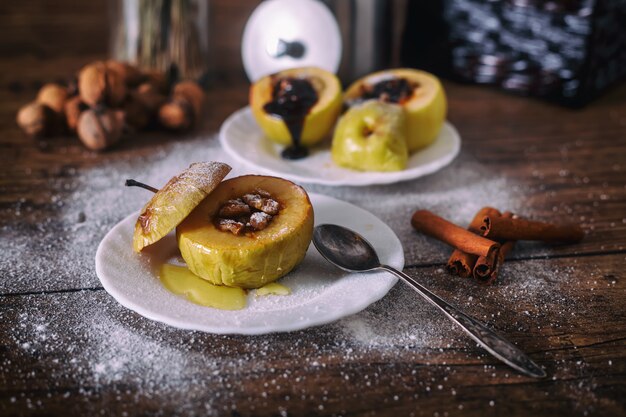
(480, 250)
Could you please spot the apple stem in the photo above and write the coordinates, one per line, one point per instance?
(133, 183)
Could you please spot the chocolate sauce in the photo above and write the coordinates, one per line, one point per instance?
(292, 99)
(392, 90)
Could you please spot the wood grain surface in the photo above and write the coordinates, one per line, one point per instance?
(68, 348)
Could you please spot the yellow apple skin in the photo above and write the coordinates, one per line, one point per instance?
(371, 137)
(247, 261)
(320, 120)
(425, 110)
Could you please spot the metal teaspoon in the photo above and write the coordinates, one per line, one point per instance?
(349, 251)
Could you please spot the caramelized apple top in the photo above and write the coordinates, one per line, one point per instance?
(391, 90)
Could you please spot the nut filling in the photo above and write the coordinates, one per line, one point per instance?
(249, 213)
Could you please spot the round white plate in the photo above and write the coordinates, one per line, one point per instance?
(321, 293)
(244, 140)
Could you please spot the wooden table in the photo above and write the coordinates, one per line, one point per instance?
(68, 348)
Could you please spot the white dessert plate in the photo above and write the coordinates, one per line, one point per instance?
(244, 140)
(321, 293)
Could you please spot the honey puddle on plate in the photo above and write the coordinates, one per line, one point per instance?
(180, 280)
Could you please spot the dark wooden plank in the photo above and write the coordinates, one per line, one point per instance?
(81, 352)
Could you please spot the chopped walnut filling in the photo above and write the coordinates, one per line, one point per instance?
(266, 205)
(233, 209)
(229, 225)
(259, 220)
(250, 213)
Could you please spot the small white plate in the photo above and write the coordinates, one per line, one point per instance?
(321, 293)
(244, 140)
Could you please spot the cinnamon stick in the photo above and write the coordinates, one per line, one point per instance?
(486, 269)
(514, 228)
(432, 225)
(461, 263)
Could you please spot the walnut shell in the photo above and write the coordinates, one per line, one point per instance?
(98, 84)
(92, 83)
(73, 108)
(98, 130)
(53, 95)
(193, 93)
(177, 114)
(37, 119)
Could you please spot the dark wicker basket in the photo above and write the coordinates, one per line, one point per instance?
(563, 50)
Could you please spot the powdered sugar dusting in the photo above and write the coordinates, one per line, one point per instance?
(58, 252)
(86, 336)
(114, 359)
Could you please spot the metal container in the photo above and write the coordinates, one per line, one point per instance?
(162, 34)
(369, 36)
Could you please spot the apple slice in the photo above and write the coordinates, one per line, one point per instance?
(172, 203)
(371, 137)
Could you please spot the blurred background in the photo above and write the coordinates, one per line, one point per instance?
(568, 51)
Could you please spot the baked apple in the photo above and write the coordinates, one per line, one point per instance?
(248, 232)
(371, 137)
(172, 203)
(296, 107)
(418, 92)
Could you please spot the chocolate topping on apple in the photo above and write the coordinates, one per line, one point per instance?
(392, 90)
(292, 99)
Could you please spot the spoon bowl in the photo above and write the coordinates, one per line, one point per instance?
(349, 251)
(344, 248)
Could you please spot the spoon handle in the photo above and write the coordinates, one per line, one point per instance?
(495, 344)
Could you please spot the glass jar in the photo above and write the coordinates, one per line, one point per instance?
(163, 35)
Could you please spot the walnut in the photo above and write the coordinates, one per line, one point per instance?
(53, 96)
(92, 83)
(229, 225)
(262, 193)
(38, 120)
(270, 206)
(193, 94)
(177, 115)
(266, 205)
(259, 220)
(99, 129)
(234, 209)
(98, 84)
(253, 211)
